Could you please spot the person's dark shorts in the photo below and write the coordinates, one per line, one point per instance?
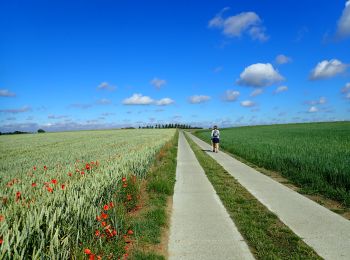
(216, 140)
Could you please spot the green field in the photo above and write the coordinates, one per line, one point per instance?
(54, 185)
(315, 156)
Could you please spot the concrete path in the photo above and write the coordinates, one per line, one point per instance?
(323, 230)
(200, 226)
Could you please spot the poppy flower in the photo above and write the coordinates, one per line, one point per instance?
(70, 174)
(103, 223)
(99, 257)
(105, 207)
(45, 168)
(130, 232)
(111, 204)
(1, 241)
(104, 216)
(114, 232)
(54, 181)
(82, 172)
(129, 197)
(18, 195)
(87, 166)
(125, 185)
(87, 251)
(92, 257)
(49, 189)
(33, 184)
(34, 168)
(123, 179)
(97, 233)
(63, 186)
(2, 218)
(98, 218)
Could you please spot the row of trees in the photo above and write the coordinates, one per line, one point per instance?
(181, 126)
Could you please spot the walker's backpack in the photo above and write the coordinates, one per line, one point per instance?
(215, 133)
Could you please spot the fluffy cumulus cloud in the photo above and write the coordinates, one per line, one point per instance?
(283, 59)
(327, 69)
(256, 92)
(106, 86)
(158, 83)
(247, 103)
(164, 102)
(346, 91)
(231, 95)
(259, 75)
(313, 109)
(6, 93)
(196, 99)
(138, 99)
(236, 25)
(16, 110)
(281, 89)
(343, 28)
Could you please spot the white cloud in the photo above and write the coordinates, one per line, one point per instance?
(138, 99)
(106, 86)
(235, 26)
(104, 101)
(259, 75)
(164, 102)
(196, 99)
(158, 83)
(247, 103)
(346, 88)
(256, 92)
(6, 93)
(343, 28)
(327, 69)
(56, 116)
(231, 95)
(281, 89)
(320, 101)
(283, 59)
(17, 110)
(313, 109)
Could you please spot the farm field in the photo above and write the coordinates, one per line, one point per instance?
(54, 185)
(316, 156)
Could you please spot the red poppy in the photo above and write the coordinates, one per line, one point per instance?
(2, 218)
(18, 195)
(49, 189)
(87, 166)
(1, 241)
(103, 223)
(97, 233)
(33, 184)
(129, 197)
(70, 174)
(34, 168)
(82, 172)
(63, 186)
(92, 257)
(104, 216)
(123, 179)
(114, 232)
(111, 204)
(99, 257)
(105, 207)
(126, 255)
(87, 251)
(54, 181)
(130, 232)
(98, 218)
(125, 185)
(45, 168)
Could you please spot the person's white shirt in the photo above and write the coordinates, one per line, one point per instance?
(217, 133)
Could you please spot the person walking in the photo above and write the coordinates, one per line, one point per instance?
(215, 138)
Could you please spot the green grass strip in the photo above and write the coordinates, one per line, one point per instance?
(160, 186)
(266, 235)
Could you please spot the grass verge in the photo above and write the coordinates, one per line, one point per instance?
(266, 235)
(151, 222)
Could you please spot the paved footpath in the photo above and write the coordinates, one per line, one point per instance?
(200, 227)
(323, 230)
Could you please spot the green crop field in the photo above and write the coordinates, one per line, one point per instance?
(53, 185)
(316, 156)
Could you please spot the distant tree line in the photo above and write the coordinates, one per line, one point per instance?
(20, 132)
(160, 126)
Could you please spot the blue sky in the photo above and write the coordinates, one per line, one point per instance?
(67, 65)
